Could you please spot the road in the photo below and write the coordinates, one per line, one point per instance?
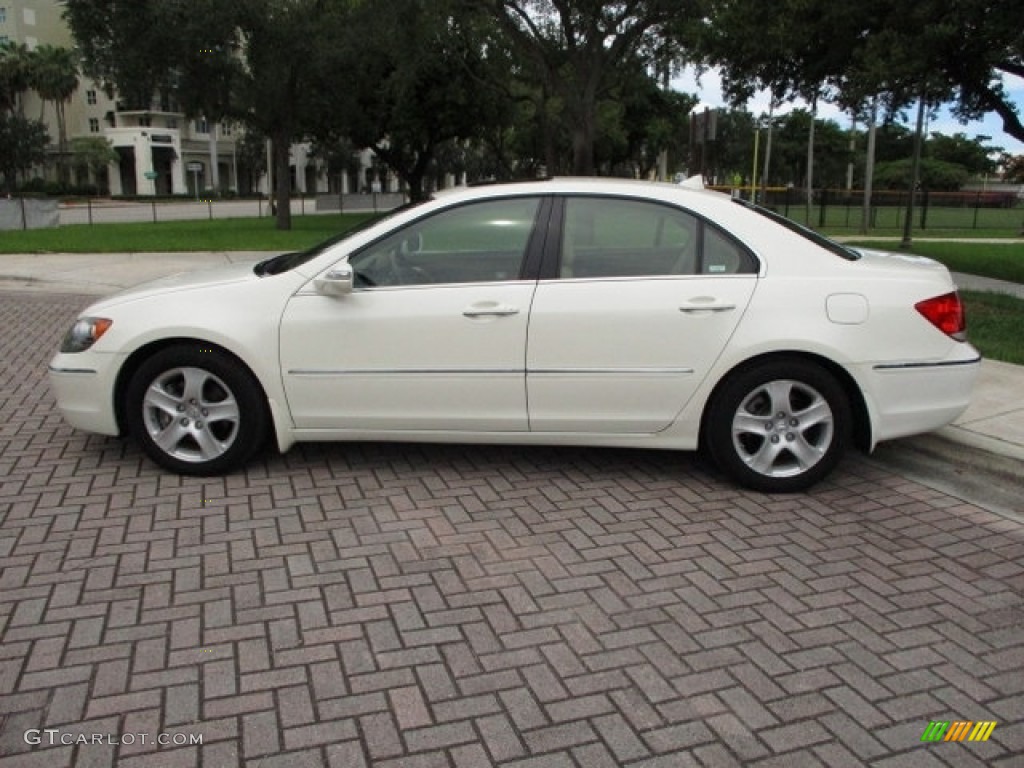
(392, 605)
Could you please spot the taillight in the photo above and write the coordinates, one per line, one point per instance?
(946, 313)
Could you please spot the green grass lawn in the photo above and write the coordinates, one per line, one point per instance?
(994, 321)
(250, 234)
(940, 220)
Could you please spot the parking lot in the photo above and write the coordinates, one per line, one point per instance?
(421, 605)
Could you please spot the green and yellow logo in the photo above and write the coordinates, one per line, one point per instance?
(958, 730)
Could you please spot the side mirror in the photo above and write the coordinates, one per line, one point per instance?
(336, 282)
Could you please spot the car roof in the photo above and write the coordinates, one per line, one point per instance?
(694, 197)
(588, 185)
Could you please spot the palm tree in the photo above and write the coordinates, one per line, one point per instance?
(15, 76)
(54, 76)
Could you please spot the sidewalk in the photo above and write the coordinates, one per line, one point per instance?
(993, 423)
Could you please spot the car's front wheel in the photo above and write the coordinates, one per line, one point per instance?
(779, 426)
(196, 410)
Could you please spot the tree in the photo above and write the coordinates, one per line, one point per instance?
(790, 151)
(574, 48)
(731, 155)
(414, 84)
(970, 154)
(981, 42)
(1013, 168)
(638, 121)
(54, 76)
(209, 68)
(22, 145)
(793, 48)
(933, 174)
(15, 68)
(260, 61)
(289, 49)
(251, 153)
(131, 46)
(93, 154)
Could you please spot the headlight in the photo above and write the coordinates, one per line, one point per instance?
(84, 333)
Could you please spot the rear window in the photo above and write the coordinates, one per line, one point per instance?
(807, 233)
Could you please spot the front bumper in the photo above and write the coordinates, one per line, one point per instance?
(83, 385)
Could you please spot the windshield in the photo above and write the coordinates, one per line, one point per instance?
(806, 232)
(287, 261)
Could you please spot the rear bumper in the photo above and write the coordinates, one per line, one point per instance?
(910, 398)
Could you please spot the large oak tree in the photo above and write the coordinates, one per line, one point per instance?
(576, 49)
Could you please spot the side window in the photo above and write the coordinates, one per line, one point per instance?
(479, 242)
(723, 255)
(611, 237)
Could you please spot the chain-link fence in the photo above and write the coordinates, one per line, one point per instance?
(844, 209)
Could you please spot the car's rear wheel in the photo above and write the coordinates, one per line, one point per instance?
(196, 410)
(779, 426)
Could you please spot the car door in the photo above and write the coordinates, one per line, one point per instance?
(644, 298)
(433, 334)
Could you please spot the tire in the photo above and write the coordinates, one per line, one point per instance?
(195, 410)
(779, 426)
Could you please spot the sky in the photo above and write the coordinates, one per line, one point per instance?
(709, 90)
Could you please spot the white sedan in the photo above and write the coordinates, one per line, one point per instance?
(567, 311)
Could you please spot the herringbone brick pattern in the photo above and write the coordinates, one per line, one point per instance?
(401, 606)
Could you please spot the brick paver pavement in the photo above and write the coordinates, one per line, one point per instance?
(349, 605)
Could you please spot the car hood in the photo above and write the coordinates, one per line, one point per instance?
(183, 281)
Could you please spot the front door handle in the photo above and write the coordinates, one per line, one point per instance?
(490, 309)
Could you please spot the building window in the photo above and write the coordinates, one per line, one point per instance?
(94, 125)
(90, 97)
(3, 18)
(30, 17)
(225, 129)
(202, 126)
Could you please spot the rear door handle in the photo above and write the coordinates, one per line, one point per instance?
(693, 309)
(490, 309)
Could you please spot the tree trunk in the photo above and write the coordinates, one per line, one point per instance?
(583, 143)
(280, 143)
(869, 169)
(767, 152)
(62, 144)
(214, 165)
(915, 170)
(810, 160)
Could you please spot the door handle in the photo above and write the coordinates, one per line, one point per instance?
(693, 309)
(490, 310)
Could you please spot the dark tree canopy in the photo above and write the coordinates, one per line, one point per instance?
(130, 46)
(22, 145)
(853, 52)
(575, 50)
